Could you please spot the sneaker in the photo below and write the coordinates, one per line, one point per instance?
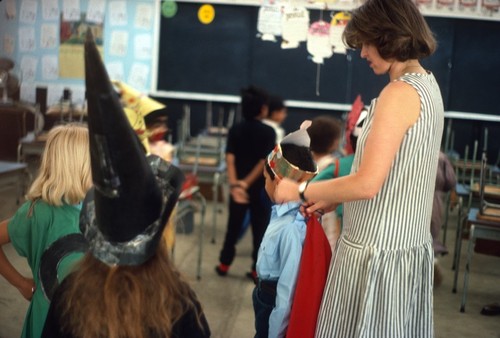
(222, 269)
(252, 275)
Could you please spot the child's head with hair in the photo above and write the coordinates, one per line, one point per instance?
(254, 103)
(292, 159)
(64, 175)
(325, 133)
(277, 109)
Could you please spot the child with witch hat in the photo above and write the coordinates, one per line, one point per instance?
(281, 248)
(126, 285)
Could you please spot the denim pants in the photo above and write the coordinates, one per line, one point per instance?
(263, 305)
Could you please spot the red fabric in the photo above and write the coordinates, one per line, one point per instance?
(314, 264)
(352, 118)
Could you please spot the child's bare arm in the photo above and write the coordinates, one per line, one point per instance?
(25, 285)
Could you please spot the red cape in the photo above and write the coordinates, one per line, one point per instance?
(313, 271)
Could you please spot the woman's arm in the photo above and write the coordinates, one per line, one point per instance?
(397, 109)
(25, 285)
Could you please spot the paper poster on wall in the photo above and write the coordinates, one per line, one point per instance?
(71, 10)
(318, 41)
(144, 15)
(27, 13)
(269, 22)
(116, 70)
(48, 36)
(490, 7)
(8, 44)
(117, 11)
(445, 5)
(95, 11)
(143, 47)
(467, 5)
(50, 10)
(50, 68)
(337, 26)
(27, 39)
(72, 37)
(295, 24)
(28, 68)
(138, 76)
(10, 9)
(118, 45)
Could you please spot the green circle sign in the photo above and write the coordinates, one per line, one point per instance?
(168, 8)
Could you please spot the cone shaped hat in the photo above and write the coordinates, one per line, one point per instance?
(124, 214)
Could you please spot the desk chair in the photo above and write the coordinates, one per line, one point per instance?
(464, 171)
(483, 224)
(190, 201)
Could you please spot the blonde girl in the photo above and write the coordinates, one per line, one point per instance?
(45, 229)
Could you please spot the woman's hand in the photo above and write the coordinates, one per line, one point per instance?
(316, 209)
(27, 288)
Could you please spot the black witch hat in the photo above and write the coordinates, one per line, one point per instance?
(124, 215)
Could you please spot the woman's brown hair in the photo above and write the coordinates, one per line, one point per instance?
(395, 27)
(125, 301)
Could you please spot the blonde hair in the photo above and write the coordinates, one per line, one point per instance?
(125, 301)
(64, 175)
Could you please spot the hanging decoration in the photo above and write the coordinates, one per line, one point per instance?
(169, 9)
(337, 26)
(318, 41)
(206, 14)
(295, 23)
(269, 22)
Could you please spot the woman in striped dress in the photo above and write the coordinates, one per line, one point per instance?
(380, 280)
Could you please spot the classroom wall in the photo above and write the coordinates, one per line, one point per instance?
(26, 36)
(129, 47)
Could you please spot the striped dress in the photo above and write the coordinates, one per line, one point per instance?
(380, 281)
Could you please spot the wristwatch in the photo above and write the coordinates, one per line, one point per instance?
(302, 190)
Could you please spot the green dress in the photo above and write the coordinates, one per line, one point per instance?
(31, 233)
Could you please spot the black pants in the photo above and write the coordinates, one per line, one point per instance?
(260, 212)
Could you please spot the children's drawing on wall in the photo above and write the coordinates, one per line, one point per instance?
(72, 37)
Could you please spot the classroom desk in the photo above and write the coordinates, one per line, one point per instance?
(480, 228)
(491, 191)
(13, 174)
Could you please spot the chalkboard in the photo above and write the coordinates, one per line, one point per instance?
(475, 78)
(226, 55)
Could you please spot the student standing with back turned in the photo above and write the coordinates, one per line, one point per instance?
(248, 144)
(45, 228)
(380, 280)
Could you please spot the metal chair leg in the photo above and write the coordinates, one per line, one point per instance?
(472, 242)
(458, 245)
(203, 207)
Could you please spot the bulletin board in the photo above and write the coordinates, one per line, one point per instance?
(226, 55)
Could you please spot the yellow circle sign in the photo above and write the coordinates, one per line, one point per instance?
(206, 14)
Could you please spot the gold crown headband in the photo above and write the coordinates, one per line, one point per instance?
(282, 168)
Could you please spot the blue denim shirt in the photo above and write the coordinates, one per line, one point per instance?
(279, 259)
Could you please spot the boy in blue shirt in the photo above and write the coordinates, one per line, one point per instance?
(281, 248)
